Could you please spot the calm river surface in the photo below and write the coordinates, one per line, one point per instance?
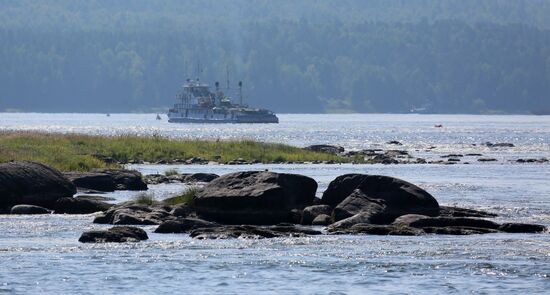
(41, 254)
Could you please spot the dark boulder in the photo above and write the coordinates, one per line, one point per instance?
(184, 225)
(117, 234)
(381, 199)
(31, 183)
(521, 228)
(254, 197)
(29, 209)
(90, 180)
(311, 212)
(125, 179)
(325, 148)
(80, 206)
(341, 187)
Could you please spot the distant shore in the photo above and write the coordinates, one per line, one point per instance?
(76, 152)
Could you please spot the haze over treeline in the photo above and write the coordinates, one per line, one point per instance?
(293, 56)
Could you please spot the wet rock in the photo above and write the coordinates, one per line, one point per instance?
(325, 148)
(135, 214)
(374, 229)
(383, 159)
(474, 155)
(311, 212)
(322, 219)
(522, 228)
(254, 197)
(125, 179)
(448, 211)
(80, 206)
(29, 210)
(355, 203)
(184, 225)
(30, 183)
(381, 199)
(90, 180)
(368, 217)
(394, 142)
(452, 222)
(250, 232)
(117, 234)
(458, 230)
(487, 160)
(156, 179)
(182, 210)
(532, 160)
(500, 144)
(196, 160)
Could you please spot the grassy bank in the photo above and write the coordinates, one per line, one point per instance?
(69, 152)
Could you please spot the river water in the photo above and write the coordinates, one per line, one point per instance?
(41, 254)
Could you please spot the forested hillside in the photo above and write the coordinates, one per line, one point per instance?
(293, 56)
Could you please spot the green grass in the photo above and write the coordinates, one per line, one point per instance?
(144, 198)
(186, 197)
(171, 172)
(74, 152)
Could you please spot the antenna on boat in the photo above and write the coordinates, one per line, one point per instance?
(241, 92)
(227, 76)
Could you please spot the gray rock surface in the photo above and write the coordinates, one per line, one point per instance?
(117, 234)
(254, 197)
(31, 183)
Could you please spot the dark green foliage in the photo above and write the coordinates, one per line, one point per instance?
(293, 56)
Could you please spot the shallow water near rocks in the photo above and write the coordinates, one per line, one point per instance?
(41, 254)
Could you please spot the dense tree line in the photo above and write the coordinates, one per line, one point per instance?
(292, 56)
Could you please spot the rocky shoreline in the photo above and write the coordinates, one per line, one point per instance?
(247, 204)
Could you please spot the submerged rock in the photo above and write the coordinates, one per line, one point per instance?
(117, 234)
(254, 197)
(29, 209)
(135, 214)
(251, 232)
(322, 219)
(30, 183)
(183, 225)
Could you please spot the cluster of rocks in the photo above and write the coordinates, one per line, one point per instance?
(33, 188)
(255, 204)
(249, 204)
(179, 178)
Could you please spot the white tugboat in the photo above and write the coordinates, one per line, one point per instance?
(197, 104)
